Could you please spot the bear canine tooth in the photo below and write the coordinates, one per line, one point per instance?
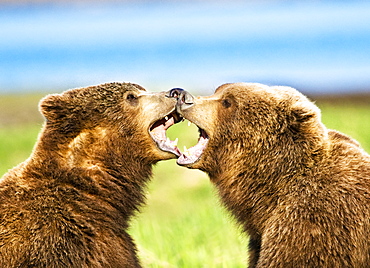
(166, 117)
(175, 142)
(189, 123)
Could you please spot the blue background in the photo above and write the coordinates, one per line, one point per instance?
(315, 46)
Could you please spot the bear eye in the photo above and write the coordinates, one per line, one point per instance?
(131, 97)
(226, 103)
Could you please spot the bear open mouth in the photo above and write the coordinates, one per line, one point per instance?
(158, 133)
(191, 155)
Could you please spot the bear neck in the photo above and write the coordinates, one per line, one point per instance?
(252, 182)
(95, 148)
(92, 165)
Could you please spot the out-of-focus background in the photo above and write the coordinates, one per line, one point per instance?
(316, 46)
(322, 48)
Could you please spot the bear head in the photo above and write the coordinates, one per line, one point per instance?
(247, 123)
(107, 123)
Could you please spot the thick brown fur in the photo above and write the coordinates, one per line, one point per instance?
(301, 191)
(70, 203)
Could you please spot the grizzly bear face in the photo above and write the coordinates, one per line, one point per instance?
(115, 119)
(243, 123)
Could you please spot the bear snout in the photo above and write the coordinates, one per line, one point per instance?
(184, 100)
(174, 93)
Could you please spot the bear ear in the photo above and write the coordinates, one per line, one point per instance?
(305, 110)
(52, 106)
(304, 116)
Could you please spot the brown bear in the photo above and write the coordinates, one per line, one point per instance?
(300, 191)
(69, 204)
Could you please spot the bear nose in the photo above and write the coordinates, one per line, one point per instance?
(185, 99)
(175, 93)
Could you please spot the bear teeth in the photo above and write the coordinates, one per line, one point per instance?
(158, 133)
(191, 155)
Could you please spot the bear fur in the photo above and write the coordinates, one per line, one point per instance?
(69, 204)
(299, 190)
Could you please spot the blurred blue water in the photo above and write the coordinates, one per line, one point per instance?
(315, 46)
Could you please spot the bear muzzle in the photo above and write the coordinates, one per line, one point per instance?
(184, 101)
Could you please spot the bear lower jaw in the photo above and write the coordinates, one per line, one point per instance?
(193, 154)
(158, 133)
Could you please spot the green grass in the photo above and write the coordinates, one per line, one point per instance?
(183, 224)
(352, 119)
(16, 143)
